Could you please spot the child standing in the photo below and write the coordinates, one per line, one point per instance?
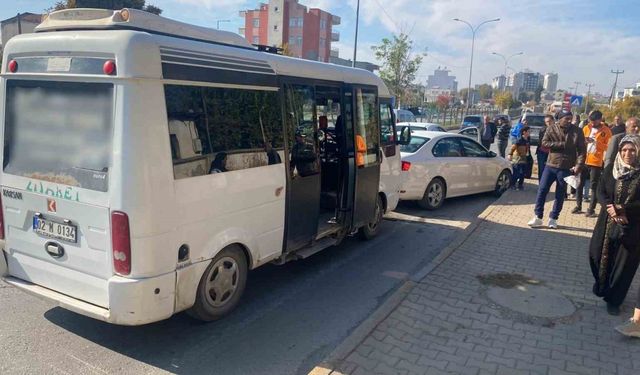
(519, 158)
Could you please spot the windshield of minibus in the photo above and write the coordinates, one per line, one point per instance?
(59, 132)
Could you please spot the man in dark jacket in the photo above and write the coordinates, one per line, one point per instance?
(618, 126)
(567, 151)
(504, 128)
(632, 126)
(488, 132)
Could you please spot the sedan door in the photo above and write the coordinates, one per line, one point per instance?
(452, 165)
(484, 172)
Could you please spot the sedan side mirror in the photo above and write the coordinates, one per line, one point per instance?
(405, 136)
(491, 154)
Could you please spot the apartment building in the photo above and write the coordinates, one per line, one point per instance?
(307, 32)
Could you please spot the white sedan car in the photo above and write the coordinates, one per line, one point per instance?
(440, 165)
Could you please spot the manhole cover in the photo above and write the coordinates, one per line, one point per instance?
(534, 300)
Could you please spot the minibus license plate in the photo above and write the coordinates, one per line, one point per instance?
(50, 228)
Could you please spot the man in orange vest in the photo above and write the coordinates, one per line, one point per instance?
(597, 135)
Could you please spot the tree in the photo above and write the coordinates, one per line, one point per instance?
(538, 93)
(442, 101)
(399, 68)
(485, 91)
(106, 4)
(503, 99)
(627, 107)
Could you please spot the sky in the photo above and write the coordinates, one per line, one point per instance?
(581, 40)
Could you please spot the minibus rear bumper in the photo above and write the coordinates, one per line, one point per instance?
(131, 301)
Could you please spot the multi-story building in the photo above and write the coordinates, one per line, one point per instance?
(632, 91)
(526, 81)
(307, 33)
(440, 83)
(499, 83)
(550, 83)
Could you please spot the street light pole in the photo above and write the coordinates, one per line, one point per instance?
(218, 23)
(506, 59)
(473, 43)
(355, 42)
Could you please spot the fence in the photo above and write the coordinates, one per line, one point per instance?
(451, 118)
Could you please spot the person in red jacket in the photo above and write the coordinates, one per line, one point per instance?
(597, 136)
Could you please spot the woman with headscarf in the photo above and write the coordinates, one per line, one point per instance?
(615, 245)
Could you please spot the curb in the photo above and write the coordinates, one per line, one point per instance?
(348, 345)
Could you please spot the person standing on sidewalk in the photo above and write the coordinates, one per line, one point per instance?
(488, 132)
(542, 153)
(504, 128)
(518, 156)
(566, 156)
(614, 250)
(632, 126)
(597, 136)
(618, 126)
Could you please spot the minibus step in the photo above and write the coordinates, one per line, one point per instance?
(317, 246)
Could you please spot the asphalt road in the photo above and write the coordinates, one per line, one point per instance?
(291, 317)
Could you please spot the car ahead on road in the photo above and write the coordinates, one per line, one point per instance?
(439, 165)
(471, 121)
(424, 126)
(402, 115)
(535, 122)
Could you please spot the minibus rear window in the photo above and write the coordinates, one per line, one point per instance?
(59, 132)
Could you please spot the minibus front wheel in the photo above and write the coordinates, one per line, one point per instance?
(221, 285)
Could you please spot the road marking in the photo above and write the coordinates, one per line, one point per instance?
(417, 219)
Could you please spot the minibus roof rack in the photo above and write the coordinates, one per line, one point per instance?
(134, 19)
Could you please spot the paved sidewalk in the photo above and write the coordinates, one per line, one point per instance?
(508, 300)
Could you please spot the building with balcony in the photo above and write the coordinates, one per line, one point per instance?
(307, 32)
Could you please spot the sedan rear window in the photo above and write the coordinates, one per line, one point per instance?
(414, 145)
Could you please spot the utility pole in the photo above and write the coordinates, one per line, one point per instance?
(617, 72)
(586, 103)
(577, 85)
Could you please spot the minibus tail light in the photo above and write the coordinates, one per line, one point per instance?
(1, 220)
(120, 243)
(109, 67)
(13, 66)
(406, 166)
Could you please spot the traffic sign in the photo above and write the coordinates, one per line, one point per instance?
(576, 100)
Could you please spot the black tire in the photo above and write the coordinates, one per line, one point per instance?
(434, 195)
(371, 230)
(503, 183)
(227, 272)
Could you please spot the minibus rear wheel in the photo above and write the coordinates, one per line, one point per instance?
(369, 231)
(221, 285)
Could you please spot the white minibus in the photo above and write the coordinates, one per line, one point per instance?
(148, 164)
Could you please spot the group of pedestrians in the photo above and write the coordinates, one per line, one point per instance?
(608, 157)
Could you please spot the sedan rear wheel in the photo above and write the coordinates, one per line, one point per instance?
(434, 195)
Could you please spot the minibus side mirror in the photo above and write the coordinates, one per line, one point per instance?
(405, 136)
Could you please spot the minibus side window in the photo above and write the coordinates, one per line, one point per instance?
(222, 129)
(367, 124)
(387, 130)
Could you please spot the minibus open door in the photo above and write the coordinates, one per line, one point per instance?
(363, 133)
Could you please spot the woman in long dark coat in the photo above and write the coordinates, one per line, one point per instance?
(615, 245)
